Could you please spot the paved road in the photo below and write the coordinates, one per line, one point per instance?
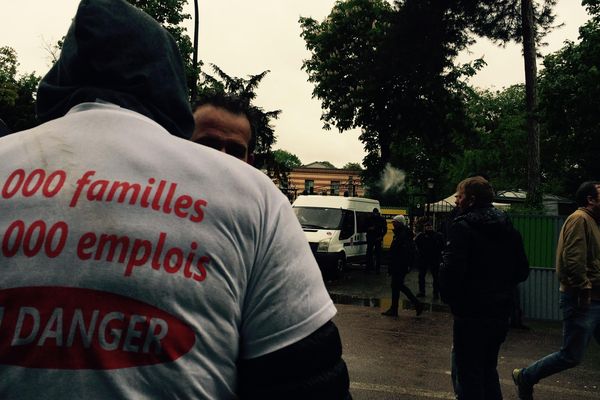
(408, 357)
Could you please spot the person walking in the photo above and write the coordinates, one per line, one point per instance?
(376, 230)
(401, 258)
(578, 270)
(429, 255)
(482, 263)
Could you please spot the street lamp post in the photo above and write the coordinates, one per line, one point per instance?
(430, 185)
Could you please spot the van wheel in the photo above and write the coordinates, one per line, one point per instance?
(340, 265)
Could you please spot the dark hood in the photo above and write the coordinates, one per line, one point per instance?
(117, 53)
(487, 220)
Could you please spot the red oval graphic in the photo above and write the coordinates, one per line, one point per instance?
(75, 328)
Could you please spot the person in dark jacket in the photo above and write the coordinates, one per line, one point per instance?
(429, 250)
(483, 262)
(376, 230)
(402, 255)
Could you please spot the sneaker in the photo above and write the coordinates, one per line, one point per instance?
(524, 391)
(390, 313)
(419, 309)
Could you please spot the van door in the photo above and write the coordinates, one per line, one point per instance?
(363, 219)
(348, 234)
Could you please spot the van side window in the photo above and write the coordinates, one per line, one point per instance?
(362, 221)
(347, 224)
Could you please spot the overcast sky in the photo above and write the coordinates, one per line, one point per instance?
(247, 37)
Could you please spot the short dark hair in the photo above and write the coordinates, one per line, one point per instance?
(232, 103)
(477, 188)
(586, 189)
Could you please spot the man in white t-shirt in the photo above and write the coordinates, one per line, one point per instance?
(137, 266)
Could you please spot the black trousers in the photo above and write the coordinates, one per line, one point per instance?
(476, 344)
(374, 251)
(433, 267)
(399, 286)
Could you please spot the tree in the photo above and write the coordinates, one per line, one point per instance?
(17, 93)
(8, 72)
(499, 147)
(169, 13)
(374, 69)
(286, 159)
(525, 21)
(569, 102)
(353, 166)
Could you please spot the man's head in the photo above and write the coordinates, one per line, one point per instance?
(116, 53)
(428, 226)
(223, 123)
(398, 220)
(376, 211)
(474, 191)
(588, 196)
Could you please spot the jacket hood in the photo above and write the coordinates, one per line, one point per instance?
(487, 220)
(117, 53)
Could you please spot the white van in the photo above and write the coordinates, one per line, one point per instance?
(336, 228)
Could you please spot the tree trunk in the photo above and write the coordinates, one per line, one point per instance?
(534, 195)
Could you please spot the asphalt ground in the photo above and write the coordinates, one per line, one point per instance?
(409, 357)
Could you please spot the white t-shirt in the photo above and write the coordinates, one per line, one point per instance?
(135, 264)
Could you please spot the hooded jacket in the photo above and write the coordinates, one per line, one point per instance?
(483, 262)
(116, 53)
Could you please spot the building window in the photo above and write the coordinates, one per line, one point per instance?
(335, 188)
(309, 186)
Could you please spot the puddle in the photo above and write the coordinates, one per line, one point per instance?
(339, 298)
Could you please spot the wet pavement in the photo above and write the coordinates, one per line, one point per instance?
(408, 357)
(357, 287)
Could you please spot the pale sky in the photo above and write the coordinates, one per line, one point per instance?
(247, 37)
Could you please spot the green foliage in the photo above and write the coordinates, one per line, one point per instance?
(8, 71)
(592, 6)
(374, 68)
(169, 13)
(570, 93)
(501, 21)
(498, 148)
(286, 159)
(17, 93)
(352, 165)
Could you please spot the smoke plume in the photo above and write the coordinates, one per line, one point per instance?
(392, 179)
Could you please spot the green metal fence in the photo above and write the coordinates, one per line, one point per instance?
(540, 234)
(539, 293)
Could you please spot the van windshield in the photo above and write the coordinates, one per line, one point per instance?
(319, 218)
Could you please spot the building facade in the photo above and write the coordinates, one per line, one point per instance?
(317, 178)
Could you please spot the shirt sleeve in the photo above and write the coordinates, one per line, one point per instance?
(286, 299)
